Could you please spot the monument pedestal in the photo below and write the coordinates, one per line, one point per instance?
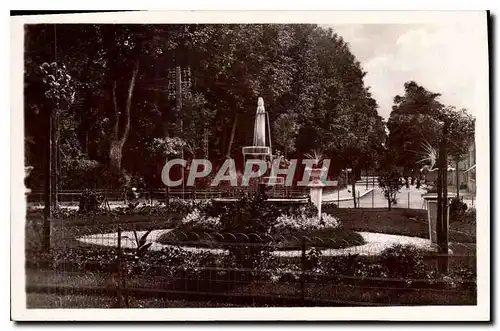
(316, 194)
(431, 203)
(316, 186)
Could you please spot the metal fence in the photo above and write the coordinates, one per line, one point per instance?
(240, 269)
(369, 198)
(72, 197)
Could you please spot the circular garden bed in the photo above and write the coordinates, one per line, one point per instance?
(333, 238)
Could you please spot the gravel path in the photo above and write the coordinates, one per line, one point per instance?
(375, 243)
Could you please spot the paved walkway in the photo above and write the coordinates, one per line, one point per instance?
(345, 194)
(375, 243)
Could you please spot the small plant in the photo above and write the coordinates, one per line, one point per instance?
(132, 205)
(312, 260)
(429, 156)
(142, 246)
(315, 155)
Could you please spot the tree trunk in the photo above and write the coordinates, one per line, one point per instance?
(353, 186)
(445, 201)
(366, 174)
(231, 137)
(389, 202)
(457, 171)
(117, 143)
(115, 156)
(55, 158)
(442, 220)
(439, 196)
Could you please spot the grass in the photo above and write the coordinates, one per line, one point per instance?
(334, 238)
(408, 222)
(397, 221)
(52, 300)
(50, 293)
(65, 230)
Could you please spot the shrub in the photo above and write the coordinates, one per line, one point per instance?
(390, 182)
(249, 214)
(405, 261)
(90, 201)
(181, 206)
(201, 221)
(312, 260)
(309, 210)
(342, 265)
(329, 205)
(302, 222)
(457, 210)
(470, 216)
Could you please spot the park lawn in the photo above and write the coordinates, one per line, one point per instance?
(54, 300)
(105, 220)
(66, 230)
(334, 238)
(47, 291)
(408, 222)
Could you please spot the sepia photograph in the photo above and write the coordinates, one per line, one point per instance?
(325, 162)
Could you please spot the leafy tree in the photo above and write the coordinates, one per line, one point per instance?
(56, 93)
(390, 182)
(413, 122)
(311, 83)
(460, 137)
(286, 129)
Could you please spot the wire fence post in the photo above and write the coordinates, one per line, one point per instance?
(303, 267)
(338, 197)
(408, 199)
(358, 200)
(373, 198)
(121, 288)
(120, 274)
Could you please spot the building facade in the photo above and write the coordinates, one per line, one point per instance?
(467, 168)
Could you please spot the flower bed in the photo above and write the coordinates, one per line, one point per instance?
(398, 266)
(284, 229)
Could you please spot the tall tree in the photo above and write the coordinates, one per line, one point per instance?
(309, 79)
(461, 132)
(412, 123)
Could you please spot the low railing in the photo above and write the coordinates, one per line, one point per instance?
(244, 270)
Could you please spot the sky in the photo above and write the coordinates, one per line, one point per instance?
(442, 58)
